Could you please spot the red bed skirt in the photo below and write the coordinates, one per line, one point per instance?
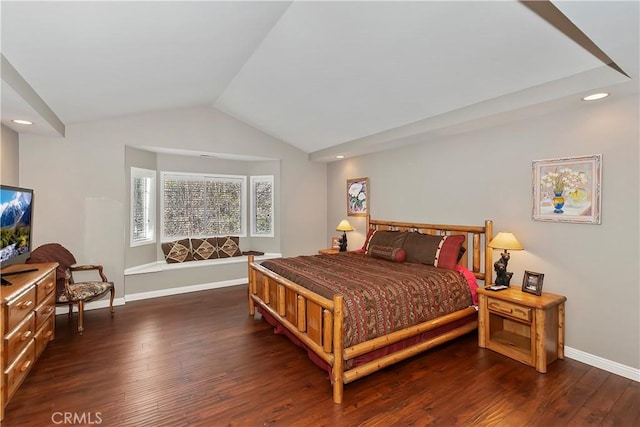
(373, 355)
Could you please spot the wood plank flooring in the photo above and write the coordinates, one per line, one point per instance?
(199, 360)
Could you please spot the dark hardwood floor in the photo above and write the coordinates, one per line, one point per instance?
(199, 360)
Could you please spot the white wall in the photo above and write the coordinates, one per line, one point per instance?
(486, 174)
(9, 157)
(81, 185)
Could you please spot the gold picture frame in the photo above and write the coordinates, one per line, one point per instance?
(335, 243)
(358, 197)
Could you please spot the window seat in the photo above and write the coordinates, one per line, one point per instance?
(159, 266)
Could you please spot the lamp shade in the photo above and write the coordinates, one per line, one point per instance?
(344, 226)
(505, 241)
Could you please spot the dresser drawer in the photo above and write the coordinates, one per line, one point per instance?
(18, 338)
(513, 310)
(18, 370)
(19, 308)
(45, 334)
(45, 287)
(45, 310)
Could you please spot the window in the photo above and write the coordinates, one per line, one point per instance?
(202, 205)
(262, 206)
(143, 206)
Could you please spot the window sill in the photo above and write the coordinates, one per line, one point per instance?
(159, 266)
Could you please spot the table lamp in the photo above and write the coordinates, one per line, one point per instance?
(504, 241)
(344, 226)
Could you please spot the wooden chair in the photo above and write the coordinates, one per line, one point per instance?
(67, 290)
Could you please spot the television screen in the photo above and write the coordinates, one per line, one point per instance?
(16, 205)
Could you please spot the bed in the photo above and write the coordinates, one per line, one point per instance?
(358, 312)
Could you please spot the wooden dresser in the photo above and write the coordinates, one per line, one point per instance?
(27, 323)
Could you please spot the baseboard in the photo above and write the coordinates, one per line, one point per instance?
(604, 364)
(184, 289)
(62, 309)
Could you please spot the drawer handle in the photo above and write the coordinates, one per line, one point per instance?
(49, 285)
(25, 366)
(48, 334)
(25, 305)
(25, 336)
(500, 308)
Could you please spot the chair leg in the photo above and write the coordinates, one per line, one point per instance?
(70, 311)
(113, 292)
(80, 317)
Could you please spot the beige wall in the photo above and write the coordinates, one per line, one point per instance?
(9, 157)
(81, 184)
(486, 174)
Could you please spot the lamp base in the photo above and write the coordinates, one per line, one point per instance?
(343, 242)
(502, 276)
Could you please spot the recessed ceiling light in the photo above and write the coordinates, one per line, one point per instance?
(339, 156)
(595, 96)
(22, 122)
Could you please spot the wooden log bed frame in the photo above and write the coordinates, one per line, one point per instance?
(317, 322)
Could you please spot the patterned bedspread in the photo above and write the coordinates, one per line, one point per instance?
(380, 296)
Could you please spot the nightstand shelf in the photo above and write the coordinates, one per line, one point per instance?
(525, 327)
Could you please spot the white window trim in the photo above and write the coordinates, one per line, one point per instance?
(151, 213)
(253, 181)
(187, 175)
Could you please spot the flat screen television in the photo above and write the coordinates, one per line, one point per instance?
(16, 213)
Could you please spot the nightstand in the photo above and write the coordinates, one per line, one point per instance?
(330, 251)
(525, 327)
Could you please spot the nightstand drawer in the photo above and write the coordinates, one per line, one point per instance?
(513, 310)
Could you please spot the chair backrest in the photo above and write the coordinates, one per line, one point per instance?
(54, 252)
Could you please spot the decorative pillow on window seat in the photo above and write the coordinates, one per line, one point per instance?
(204, 248)
(178, 251)
(229, 246)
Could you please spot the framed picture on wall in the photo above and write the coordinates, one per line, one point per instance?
(358, 197)
(567, 189)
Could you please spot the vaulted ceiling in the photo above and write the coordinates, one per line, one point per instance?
(327, 77)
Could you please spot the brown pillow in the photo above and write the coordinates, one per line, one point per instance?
(229, 246)
(204, 248)
(388, 253)
(421, 248)
(178, 251)
(393, 239)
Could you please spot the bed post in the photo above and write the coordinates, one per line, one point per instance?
(338, 347)
(488, 252)
(251, 278)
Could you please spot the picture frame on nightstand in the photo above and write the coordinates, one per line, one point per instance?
(335, 243)
(532, 282)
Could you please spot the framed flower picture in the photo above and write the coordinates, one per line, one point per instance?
(358, 197)
(567, 189)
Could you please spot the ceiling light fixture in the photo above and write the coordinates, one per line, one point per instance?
(339, 156)
(22, 122)
(595, 96)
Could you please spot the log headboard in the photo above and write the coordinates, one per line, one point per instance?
(476, 241)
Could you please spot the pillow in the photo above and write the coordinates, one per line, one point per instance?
(388, 253)
(204, 248)
(229, 246)
(448, 251)
(365, 247)
(394, 239)
(421, 248)
(178, 251)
